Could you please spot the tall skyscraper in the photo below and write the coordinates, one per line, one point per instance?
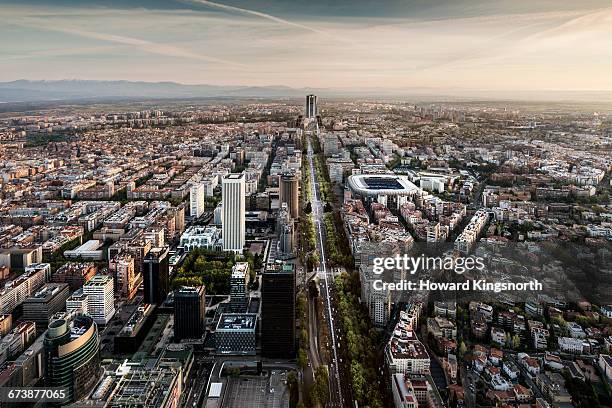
(289, 194)
(239, 280)
(189, 313)
(72, 350)
(233, 200)
(311, 106)
(196, 200)
(156, 275)
(100, 293)
(278, 311)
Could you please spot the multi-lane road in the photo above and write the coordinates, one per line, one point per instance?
(326, 274)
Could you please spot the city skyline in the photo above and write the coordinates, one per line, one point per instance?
(285, 204)
(463, 48)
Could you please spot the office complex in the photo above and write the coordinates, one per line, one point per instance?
(201, 237)
(311, 106)
(235, 334)
(278, 311)
(289, 193)
(78, 302)
(239, 280)
(189, 313)
(196, 200)
(144, 387)
(44, 303)
(130, 337)
(100, 292)
(233, 200)
(156, 275)
(17, 290)
(72, 357)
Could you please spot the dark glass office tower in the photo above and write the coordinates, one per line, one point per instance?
(72, 351)
(278, 311)
(156, 275)
(189, 313)
(311, 106)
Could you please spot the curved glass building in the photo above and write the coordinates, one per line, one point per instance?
(72, 349)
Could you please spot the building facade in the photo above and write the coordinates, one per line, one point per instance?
(233, 200)
(156, 275)
(278, 311)
(189, 313)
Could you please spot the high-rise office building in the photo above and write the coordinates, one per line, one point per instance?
(196, 200)
(44, 303)
(239, 280)
(189, 313)
(278, 311)
(311, 106)
(286, 239)
(289, 193)
(100, 293)
(72, 350)
(156, 275)
(233, 192)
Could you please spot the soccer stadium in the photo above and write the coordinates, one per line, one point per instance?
(373, 185)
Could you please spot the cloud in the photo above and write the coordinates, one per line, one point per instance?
(266, 16)
(143, 45)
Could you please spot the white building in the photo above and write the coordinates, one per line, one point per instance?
(210, 183)
(405, 353)
(403, 393)
(435, 184)
(571, 345)
(540, 338)
(468, 237)
(22, 287)
(90, 250)
(575, 330)
(196, 200)
(605, 364)
(200, 237)
(78, 302)
(233, 199)
(100, 293)
(239, 280)
(606, 311)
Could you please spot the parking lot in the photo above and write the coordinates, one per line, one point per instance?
(257, 392)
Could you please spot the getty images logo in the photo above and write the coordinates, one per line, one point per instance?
(413, 265)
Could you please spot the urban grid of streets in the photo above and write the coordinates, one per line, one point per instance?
(470, 175)
(317, 214)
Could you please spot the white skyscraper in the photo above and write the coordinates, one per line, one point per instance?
(100, 298)
(233, 200)
(196, 200)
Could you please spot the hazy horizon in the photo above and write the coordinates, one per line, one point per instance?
(458, 47)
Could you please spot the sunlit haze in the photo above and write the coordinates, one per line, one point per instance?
(453, 45)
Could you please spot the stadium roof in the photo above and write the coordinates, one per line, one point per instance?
(387, 184)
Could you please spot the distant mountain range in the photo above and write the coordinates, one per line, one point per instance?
(27, 91)
(65, 90)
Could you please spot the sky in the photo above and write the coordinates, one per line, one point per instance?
(550, 45)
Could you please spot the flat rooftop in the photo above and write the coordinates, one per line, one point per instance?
(237, 321)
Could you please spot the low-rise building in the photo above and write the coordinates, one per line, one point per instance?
(235, 334)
